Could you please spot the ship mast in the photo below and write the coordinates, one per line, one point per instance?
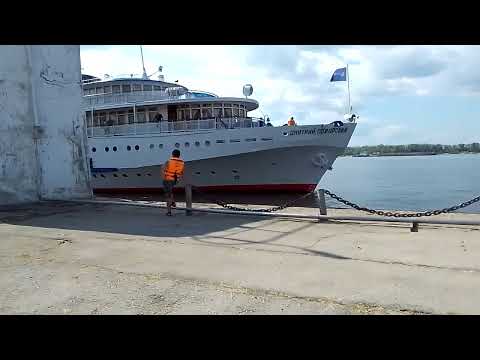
(144, 76)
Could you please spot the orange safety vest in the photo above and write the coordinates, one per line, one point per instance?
(173, 169)
(291, 122)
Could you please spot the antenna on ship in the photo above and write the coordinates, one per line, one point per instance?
(144, 76)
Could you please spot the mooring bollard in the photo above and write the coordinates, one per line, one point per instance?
(321, 202)
(414, 227)
(188, 199)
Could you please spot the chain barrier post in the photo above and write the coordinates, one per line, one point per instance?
(321, 202)
(188, 199)
(414, 227)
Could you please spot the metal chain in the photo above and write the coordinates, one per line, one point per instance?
(264, 210)
(405, 215)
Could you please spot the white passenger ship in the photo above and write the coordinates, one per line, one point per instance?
(134, 123)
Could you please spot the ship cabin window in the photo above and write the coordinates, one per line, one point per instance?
(88, 119)
(131, 117)
(196, 114)
(107, 89)
(141, 118)
(126, 88)
(235, 110)
(218, 112)
(206, 113)
(122, 118)
(157, 88)
(147, 87)
(228, 112)
(99, 90)
(137, 87)
(116, 89)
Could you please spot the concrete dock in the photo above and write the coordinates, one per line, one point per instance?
(64, 258)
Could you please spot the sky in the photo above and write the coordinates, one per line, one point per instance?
(402, 94)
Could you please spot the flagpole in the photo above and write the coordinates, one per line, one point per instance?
(348, 84)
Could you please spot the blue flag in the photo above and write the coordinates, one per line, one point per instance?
(339, 75)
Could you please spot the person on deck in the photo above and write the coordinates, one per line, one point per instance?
(291, 122)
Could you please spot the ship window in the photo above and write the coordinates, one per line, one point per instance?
(235, 171)
(139, 174)
(106, 149)
(177, 145)
(137, 147)
(195, 114)
(122, 118)
(234, 140)
(197, 173)
(114, 148)
(99, 90)
(152, 146)
(206, 113)
(107, 89)
(126, 88)
(94, 149)
(212, 172)
(220, 141)
(267, 139)
(285, 133)
(103, 176)
(157, 88)
(131, 117)
(235, 111)
(141, 118)
(147, 87)
(187, 115)
(116, 89)
(181, 114)
(94, 175)
(217, 112)
(115, 175)
(149, 174)
(207, 143)
(228, 112)
(124, 175)
(187, 144)
(197, 143)
(160, 146)
(241, 113)
(137, 87)
(129, 148)
(251, 139)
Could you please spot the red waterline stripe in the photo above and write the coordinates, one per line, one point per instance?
(297, 188)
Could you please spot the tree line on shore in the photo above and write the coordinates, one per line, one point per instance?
(412, 148)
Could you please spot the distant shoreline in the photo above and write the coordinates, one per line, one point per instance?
(407, 154)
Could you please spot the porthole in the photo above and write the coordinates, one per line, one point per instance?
(137, 147)
(114, 148)
(149, 174)
(187, 144)
(115, 175)
(285, 133)
(139, 174)
(160, 146)
(197, 173)
(234, 171)
(94, 149)
(103, 176)
(177, 145)
(152, 146)
(197, 143)
(124, 175)
(251, 139)
(129, 148)
(94, 175)
(220, 141)
(106, 149)
(207, 143)
(274, 163)
(212, 172)
(234, 140)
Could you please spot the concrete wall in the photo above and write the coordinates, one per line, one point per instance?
(42, 132)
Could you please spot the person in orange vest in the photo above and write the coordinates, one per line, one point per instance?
(291, 122)
(172, 171)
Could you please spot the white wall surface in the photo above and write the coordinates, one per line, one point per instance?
(42, 132)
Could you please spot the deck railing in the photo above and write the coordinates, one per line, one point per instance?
(173, 126)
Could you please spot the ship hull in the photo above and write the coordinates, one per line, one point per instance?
(293, 169)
